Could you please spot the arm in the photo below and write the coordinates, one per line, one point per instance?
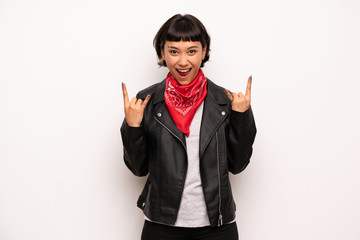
(242, 130)
(135, 153)
(133, 136)
(241, 137)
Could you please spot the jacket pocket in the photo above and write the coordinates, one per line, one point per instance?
(142, 198)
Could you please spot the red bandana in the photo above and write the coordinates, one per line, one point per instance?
(183, 100)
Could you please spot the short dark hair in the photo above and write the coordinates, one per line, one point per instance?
(182, 28)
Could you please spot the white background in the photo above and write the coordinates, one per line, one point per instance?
(61, 66)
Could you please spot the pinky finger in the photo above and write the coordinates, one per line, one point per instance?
(228, 94)
(147, 99)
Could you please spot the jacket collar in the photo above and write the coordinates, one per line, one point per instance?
(159, 93)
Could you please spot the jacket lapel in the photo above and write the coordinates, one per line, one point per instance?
(162, 114)
(214, 114)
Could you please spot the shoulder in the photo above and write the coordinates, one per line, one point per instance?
(214, 87)
(217, 92)
(150, 90)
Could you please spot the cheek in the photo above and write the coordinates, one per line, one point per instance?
(199, 60)
(170, 60)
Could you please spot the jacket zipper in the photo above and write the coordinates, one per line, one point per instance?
(220, 220)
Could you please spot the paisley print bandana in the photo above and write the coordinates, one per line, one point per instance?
(183, 100)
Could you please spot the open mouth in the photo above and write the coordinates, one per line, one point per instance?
(183, 72)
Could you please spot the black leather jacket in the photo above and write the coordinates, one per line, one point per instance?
(158, 148)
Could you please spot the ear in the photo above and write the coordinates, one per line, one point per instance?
(162, 54)
(204, 52)
(161, 61)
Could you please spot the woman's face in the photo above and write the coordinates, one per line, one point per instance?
(183, 59)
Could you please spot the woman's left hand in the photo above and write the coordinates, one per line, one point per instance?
(239, 101)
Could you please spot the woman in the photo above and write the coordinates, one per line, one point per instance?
(186, 133)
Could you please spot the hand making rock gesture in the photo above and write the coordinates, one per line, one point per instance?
(239, 101)
(134, 109)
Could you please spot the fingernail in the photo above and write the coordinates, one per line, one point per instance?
(149, 95)
(228, 92)
(250, 77)
(122, 84)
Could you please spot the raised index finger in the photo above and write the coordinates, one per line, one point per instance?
(248, 87)
(125, 93)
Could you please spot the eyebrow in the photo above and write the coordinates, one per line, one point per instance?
(187, 48)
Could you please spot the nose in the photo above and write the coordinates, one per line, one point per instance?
(183, 61)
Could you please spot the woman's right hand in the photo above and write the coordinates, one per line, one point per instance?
(134, 109)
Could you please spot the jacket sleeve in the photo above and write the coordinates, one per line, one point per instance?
(241, 137)
(135, 152)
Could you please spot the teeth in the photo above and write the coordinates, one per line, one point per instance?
(183, 71)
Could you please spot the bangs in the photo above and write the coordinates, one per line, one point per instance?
(184, 31)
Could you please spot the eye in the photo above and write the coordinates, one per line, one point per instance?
(173, 52)
(192, 51)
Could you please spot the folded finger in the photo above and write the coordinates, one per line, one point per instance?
(139, 102)
(236, 96)
(241, 96)
(133, 101)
